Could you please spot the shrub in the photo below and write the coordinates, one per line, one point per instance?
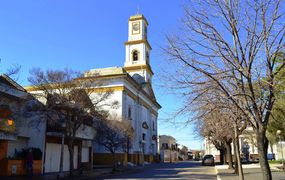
(37, 154)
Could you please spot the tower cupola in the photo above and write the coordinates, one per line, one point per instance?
(138, 48)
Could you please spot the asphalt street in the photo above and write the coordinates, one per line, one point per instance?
(178, 170)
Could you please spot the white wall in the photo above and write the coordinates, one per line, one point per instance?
(85, 132)
(116, 96)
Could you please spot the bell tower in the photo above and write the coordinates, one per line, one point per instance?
(138, 49)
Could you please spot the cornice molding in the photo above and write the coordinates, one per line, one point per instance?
(139, 67)
(139, 42)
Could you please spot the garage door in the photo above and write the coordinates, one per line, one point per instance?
(85, 154)
(52, 159)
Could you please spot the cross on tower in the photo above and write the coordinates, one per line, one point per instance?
(138, 9)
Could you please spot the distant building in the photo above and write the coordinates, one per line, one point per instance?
(248, 148)
(168, 148)
(183, 152)
(196, 154)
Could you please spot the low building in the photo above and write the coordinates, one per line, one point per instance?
(57, 141)
(168, 148)
(24, 126)
(19, 129)
(58, 134)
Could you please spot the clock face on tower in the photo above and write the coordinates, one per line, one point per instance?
(136, 28)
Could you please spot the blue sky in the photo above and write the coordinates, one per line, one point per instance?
(89, 34)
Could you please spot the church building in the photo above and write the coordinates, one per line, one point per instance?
(132, 89)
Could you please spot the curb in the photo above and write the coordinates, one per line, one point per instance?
(218, 176)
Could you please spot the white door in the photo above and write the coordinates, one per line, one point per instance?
(85, 154)
(52, 161)
(66, 158)
(75, 157)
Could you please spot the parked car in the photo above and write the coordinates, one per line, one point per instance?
(271, 157)
(208, 160)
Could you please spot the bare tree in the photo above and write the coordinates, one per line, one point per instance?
(114, 135)
(233, 44)
(12, 71)
(217, 126)
(219, 121)
(70, 102)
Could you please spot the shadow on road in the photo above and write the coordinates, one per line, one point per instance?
(178, 170)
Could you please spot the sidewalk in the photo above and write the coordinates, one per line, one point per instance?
(98, 173)
(51, 176)
(251, 172)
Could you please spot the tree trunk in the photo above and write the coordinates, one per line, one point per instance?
(239, 165)
(71, 154)
(225, 157)
(262, 146)
(128, 149)
(222, 155)
(236, 157)
(229, 155)
(80, 158)
(114, 160)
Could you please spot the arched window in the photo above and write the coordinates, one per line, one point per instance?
(130, 113)
(135, 55)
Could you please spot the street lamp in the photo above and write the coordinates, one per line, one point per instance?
(279, 134)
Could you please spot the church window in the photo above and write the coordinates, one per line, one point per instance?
(130, 113)
(164, 146)
(135, 55)
(147, 57)
(143, 136)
